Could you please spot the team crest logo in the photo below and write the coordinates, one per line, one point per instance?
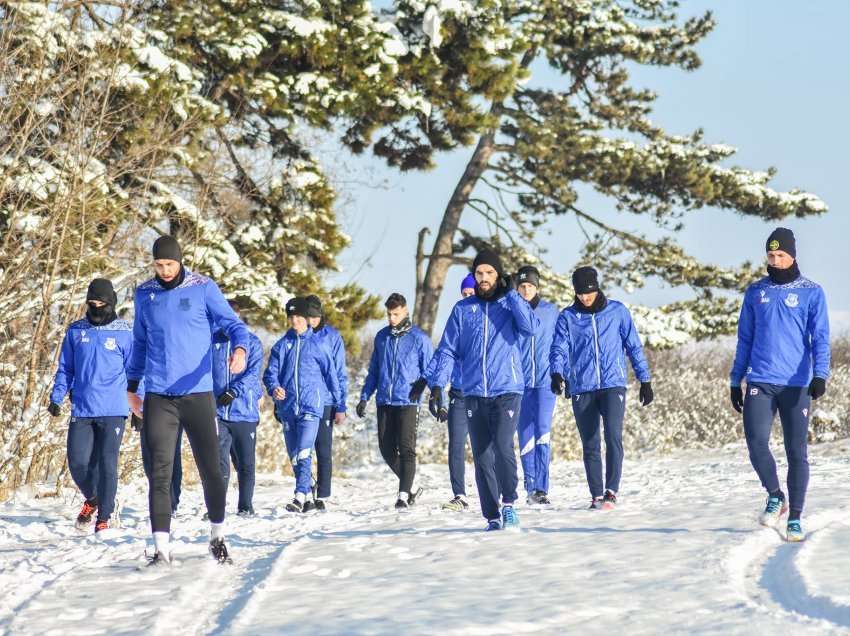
(83, 336)
(774, 245)
(185, 305)
(110, 344)
(792, 300)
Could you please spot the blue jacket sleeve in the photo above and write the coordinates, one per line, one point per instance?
(224, 318)
(371, 382)
(250, 378)
(138, 358)
(434, 368)
(633, 346)
(525, 319)
(745, 342)
(818, 328)
(341, 372)
(64, 378)
(426, 354)
(271, 376)
(448, 350)
(559, 352)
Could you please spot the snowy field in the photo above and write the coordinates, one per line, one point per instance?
(682, 554)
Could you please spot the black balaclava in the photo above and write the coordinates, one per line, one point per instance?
(402, 328)
(783, 239)
(101, 289)
(166, 247)
(489, 257)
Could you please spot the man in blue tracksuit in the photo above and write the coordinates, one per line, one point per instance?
(92, 368)
(400, 357)
(483, 336)
(176, 314)
(299, 373)
(587, 361)
(783, 352)
(455, 415)
(538, 402)
(334, 410)
(237, 407)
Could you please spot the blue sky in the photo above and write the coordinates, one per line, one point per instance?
(773, 84)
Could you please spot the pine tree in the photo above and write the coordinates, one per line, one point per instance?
(535, 148)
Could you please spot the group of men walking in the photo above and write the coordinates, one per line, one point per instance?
(189, 364)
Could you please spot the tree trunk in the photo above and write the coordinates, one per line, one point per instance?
(442, 255)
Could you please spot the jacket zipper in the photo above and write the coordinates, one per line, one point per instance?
(297, 365)
(227, 366)
(395, 358)
(596, 349)
(484, 346)
(533, 362)
(513, 368)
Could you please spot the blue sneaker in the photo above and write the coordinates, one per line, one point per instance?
(794, 532)
(510, 519)
(775, 508)
(493, 524)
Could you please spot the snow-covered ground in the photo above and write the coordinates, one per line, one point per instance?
(682, 553)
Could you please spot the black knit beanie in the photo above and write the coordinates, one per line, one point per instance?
(488, 257)
(314, 306)
(782, 239)
(167, 248)
(528, 274)
(298, 306)
(585, 280)
(101, 289)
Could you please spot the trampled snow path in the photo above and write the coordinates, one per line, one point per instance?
(682, 552)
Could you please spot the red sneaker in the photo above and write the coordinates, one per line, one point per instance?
(101, 525)
(609, 500)
(86, 512)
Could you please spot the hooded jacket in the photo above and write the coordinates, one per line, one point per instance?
(246, 385)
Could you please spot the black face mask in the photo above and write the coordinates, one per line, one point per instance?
(598, 305)
(100, 315)
(783, 276)
(174, 282)
(534, 301)
(402, 328)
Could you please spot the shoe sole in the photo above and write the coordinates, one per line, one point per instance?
(608, 506)
(790, 538)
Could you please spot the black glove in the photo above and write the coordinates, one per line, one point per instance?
(558, 383)
(817, 388)
(737, 395)
(226, 398)
(135, 422)
(54, 409)
(417, 389)
(361, 408)
(646, 395)
(435, 402)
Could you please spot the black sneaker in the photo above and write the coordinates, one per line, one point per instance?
(294, 506)
(543, 499)
(219, 551)
(206, 517)
(246, 513)
(308, 506)
(86, 512)
(609, 500)
(412, 497)
(158, 560)
(401, 504)
(595, 503)
(320, 505)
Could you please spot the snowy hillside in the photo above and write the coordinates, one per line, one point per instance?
(682, 553)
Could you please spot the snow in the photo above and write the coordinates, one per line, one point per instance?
(682, 553)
